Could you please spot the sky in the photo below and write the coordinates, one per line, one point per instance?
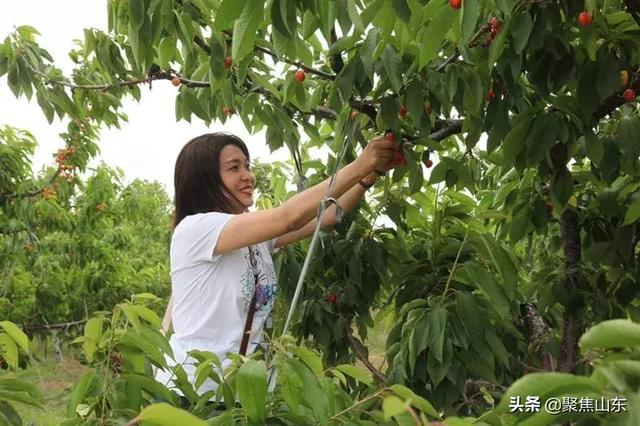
(147, 146)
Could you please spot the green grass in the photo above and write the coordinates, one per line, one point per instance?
(55, 377)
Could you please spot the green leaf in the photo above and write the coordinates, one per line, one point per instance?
(480, 278)
(216, 58)
(497, 46)
(451, 178)
(356, 19)
(608, 75)
(515, 141)
(310, 23)
(80, 390)
(470, 13)
(416, 179)
(389, 112)
(589, 37)
(148, 315)
(473, 92)
(9, 351)
(136, 12)
(610, 163)
(520, 222)
(131, 315)
(289, 382)
(310, 358)
(150, 385)
(281, 13)
(435, 32)
(21, 391)
(617, 333)
(16, 334)
(164, 414)
(633, 213)
(148, 347)
(228, 12)
(344, 81)
(355, 372)
(402, 10)
(629, 129)
(415, 101)
(594, 148)
(542, 136)
(10, 414)
(392, 406)
(245, 29)
(415, 400)
(522, 26)
(251, 383)
(492, 251)
(562, 187)
(439, 172)
(392, 63)
(437, 323)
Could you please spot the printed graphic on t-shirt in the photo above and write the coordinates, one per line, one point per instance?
(267, 284)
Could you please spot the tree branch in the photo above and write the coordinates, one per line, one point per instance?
(34, 192)
(451, 128)
(613, 102)
(361, 354)
(200, 42)
(38, 327)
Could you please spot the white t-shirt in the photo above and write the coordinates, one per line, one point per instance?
(211, 293)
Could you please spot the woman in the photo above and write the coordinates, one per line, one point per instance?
(216, 241)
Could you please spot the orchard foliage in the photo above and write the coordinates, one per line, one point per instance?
(75, 246)
(523, 233)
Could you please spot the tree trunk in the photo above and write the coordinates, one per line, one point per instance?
(570, 231)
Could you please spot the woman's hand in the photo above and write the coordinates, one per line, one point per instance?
(377, 155)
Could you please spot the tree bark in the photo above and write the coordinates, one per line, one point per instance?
(570, 231)
(538, 335)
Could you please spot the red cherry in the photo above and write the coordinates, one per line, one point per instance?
(456, 4)
(495, 23)
(494, 32)
(584, 19)
(332, 298)
(490, 94)
(629, 95)
(428, 163)
(403, 111)
(176, 81)
(389, 136)
(300, 75)
(398, 159)
(228, 62)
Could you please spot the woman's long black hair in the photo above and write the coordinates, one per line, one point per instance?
(198, 185)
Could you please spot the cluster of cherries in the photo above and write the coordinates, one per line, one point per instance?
(61, 156)
(48, 193)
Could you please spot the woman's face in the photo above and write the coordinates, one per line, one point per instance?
(237, 176)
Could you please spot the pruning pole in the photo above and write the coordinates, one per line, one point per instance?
(321, 211)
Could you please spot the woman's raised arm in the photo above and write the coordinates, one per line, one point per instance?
(255, 227)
